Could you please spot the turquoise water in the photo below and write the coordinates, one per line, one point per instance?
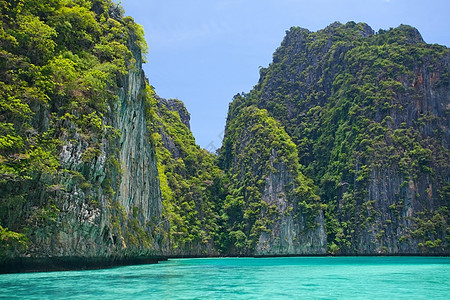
(245, 278)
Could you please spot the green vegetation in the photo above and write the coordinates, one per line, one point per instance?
(11, 240)
(192, 186)
(60, 67)
(355, 105)
(255, 148)
(345, 125)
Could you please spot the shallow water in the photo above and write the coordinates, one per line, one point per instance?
(245, 278)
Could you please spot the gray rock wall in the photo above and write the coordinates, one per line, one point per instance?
(289, 234)
(107, 206)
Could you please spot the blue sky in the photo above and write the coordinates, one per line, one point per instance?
(203, 52)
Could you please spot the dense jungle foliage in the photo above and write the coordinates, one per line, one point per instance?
(358, 106)
(255, 147)
(353, 124)
(60, 67)
(192, 185)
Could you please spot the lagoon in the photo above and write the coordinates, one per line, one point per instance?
(244, 278)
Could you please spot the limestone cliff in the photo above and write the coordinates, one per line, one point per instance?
(272, 208)
(369, 116)
(191, 183)
(82, 190)
(341, 147)
(296, 231)
(109, 204)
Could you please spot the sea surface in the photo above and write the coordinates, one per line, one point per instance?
(245, 278)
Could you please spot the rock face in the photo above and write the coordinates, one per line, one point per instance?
(342, 147)
(271, 208)
(369, 116)
(110, 205)
(85, 191)
(191, 183)
(291, 233)
(177, 106)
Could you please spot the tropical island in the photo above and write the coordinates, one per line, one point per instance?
(341, 147)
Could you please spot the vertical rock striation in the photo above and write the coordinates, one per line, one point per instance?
(369, 116)
(272, 208)
(108, 206)
(86, 191)
(341, 147)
